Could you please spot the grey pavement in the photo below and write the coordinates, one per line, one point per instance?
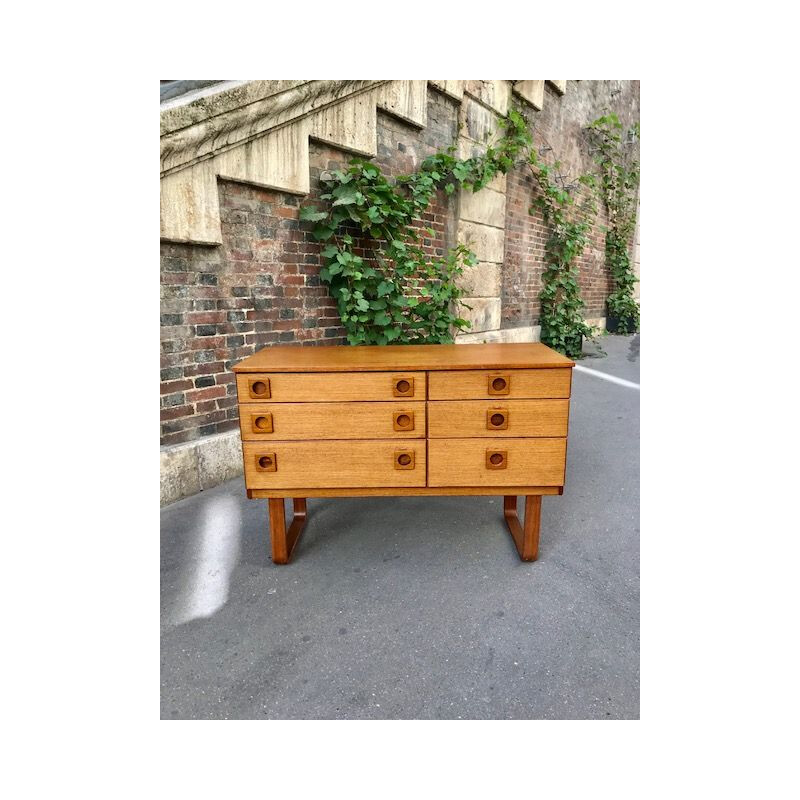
(418, 608)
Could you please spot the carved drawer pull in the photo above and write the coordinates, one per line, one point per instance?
(496, 459)
(403, 386)
(499, 384)
(259, 388)
(262, 423)
(497, 419)
(404, 459)
(403, 420)
(266, 462)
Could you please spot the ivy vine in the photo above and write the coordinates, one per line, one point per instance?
(569, 221)
(618, 188)
(398, 293)
(389, 290)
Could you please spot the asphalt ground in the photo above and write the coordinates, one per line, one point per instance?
(418, 607)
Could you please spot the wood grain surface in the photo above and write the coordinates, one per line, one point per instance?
(330, 464)
(344, 358)
(449, 419)
(463, 462)
(398, 420)
(316, 388)
(522, 384)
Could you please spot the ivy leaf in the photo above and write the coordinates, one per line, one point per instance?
(362, 304)
(312, 214)
(382, 318)
(323, 232)
(384, 288)
(346, 194)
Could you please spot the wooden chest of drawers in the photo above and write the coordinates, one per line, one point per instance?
(432, 419)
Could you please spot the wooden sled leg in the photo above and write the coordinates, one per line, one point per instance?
(283, 542)
(525, 536)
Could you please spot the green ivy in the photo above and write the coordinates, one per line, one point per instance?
(399, 294)
(562, 320)
(618, 189)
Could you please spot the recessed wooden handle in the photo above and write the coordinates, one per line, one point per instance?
(403, 386)
(499, 384)
(261, 423)
(403, 420)
(496, 459)
(404, 459)
(497, 419)
(259, 388)
(266, 462)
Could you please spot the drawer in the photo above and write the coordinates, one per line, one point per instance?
(278, 421)
(334, 464)
(496, 462)
(449, 419)
(295, 387)
(499, 384)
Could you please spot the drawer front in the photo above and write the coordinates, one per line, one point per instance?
(496, 462)
(294, 387)
(279, 421)
(448, 419)
(334, 464)
(499, 384)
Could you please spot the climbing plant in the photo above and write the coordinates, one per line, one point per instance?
(397, 293)
(569, 217)
(393, 291)
(618, 188)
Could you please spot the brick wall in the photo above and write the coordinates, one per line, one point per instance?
(560, 125)
(262, 287)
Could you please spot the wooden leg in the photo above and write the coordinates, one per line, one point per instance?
(283, 542)
(526, 537)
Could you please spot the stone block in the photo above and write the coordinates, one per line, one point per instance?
(467, 148)
(278, 160)
(478, 122)
(532, 92)
(530, 333)
(482, 280)
(484, 314)
(454, 89)
(190, 205)
(597, 322)
(486, 207)
(179, 474)
(219, 458)
(495, 94)
(190, 467)
(350, 125)
(486, 242)
(407, 100)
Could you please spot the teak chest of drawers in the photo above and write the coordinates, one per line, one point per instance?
(482, 419)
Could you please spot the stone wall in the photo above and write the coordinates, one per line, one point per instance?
(259, 285)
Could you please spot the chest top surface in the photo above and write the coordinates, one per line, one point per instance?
(346, 358)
